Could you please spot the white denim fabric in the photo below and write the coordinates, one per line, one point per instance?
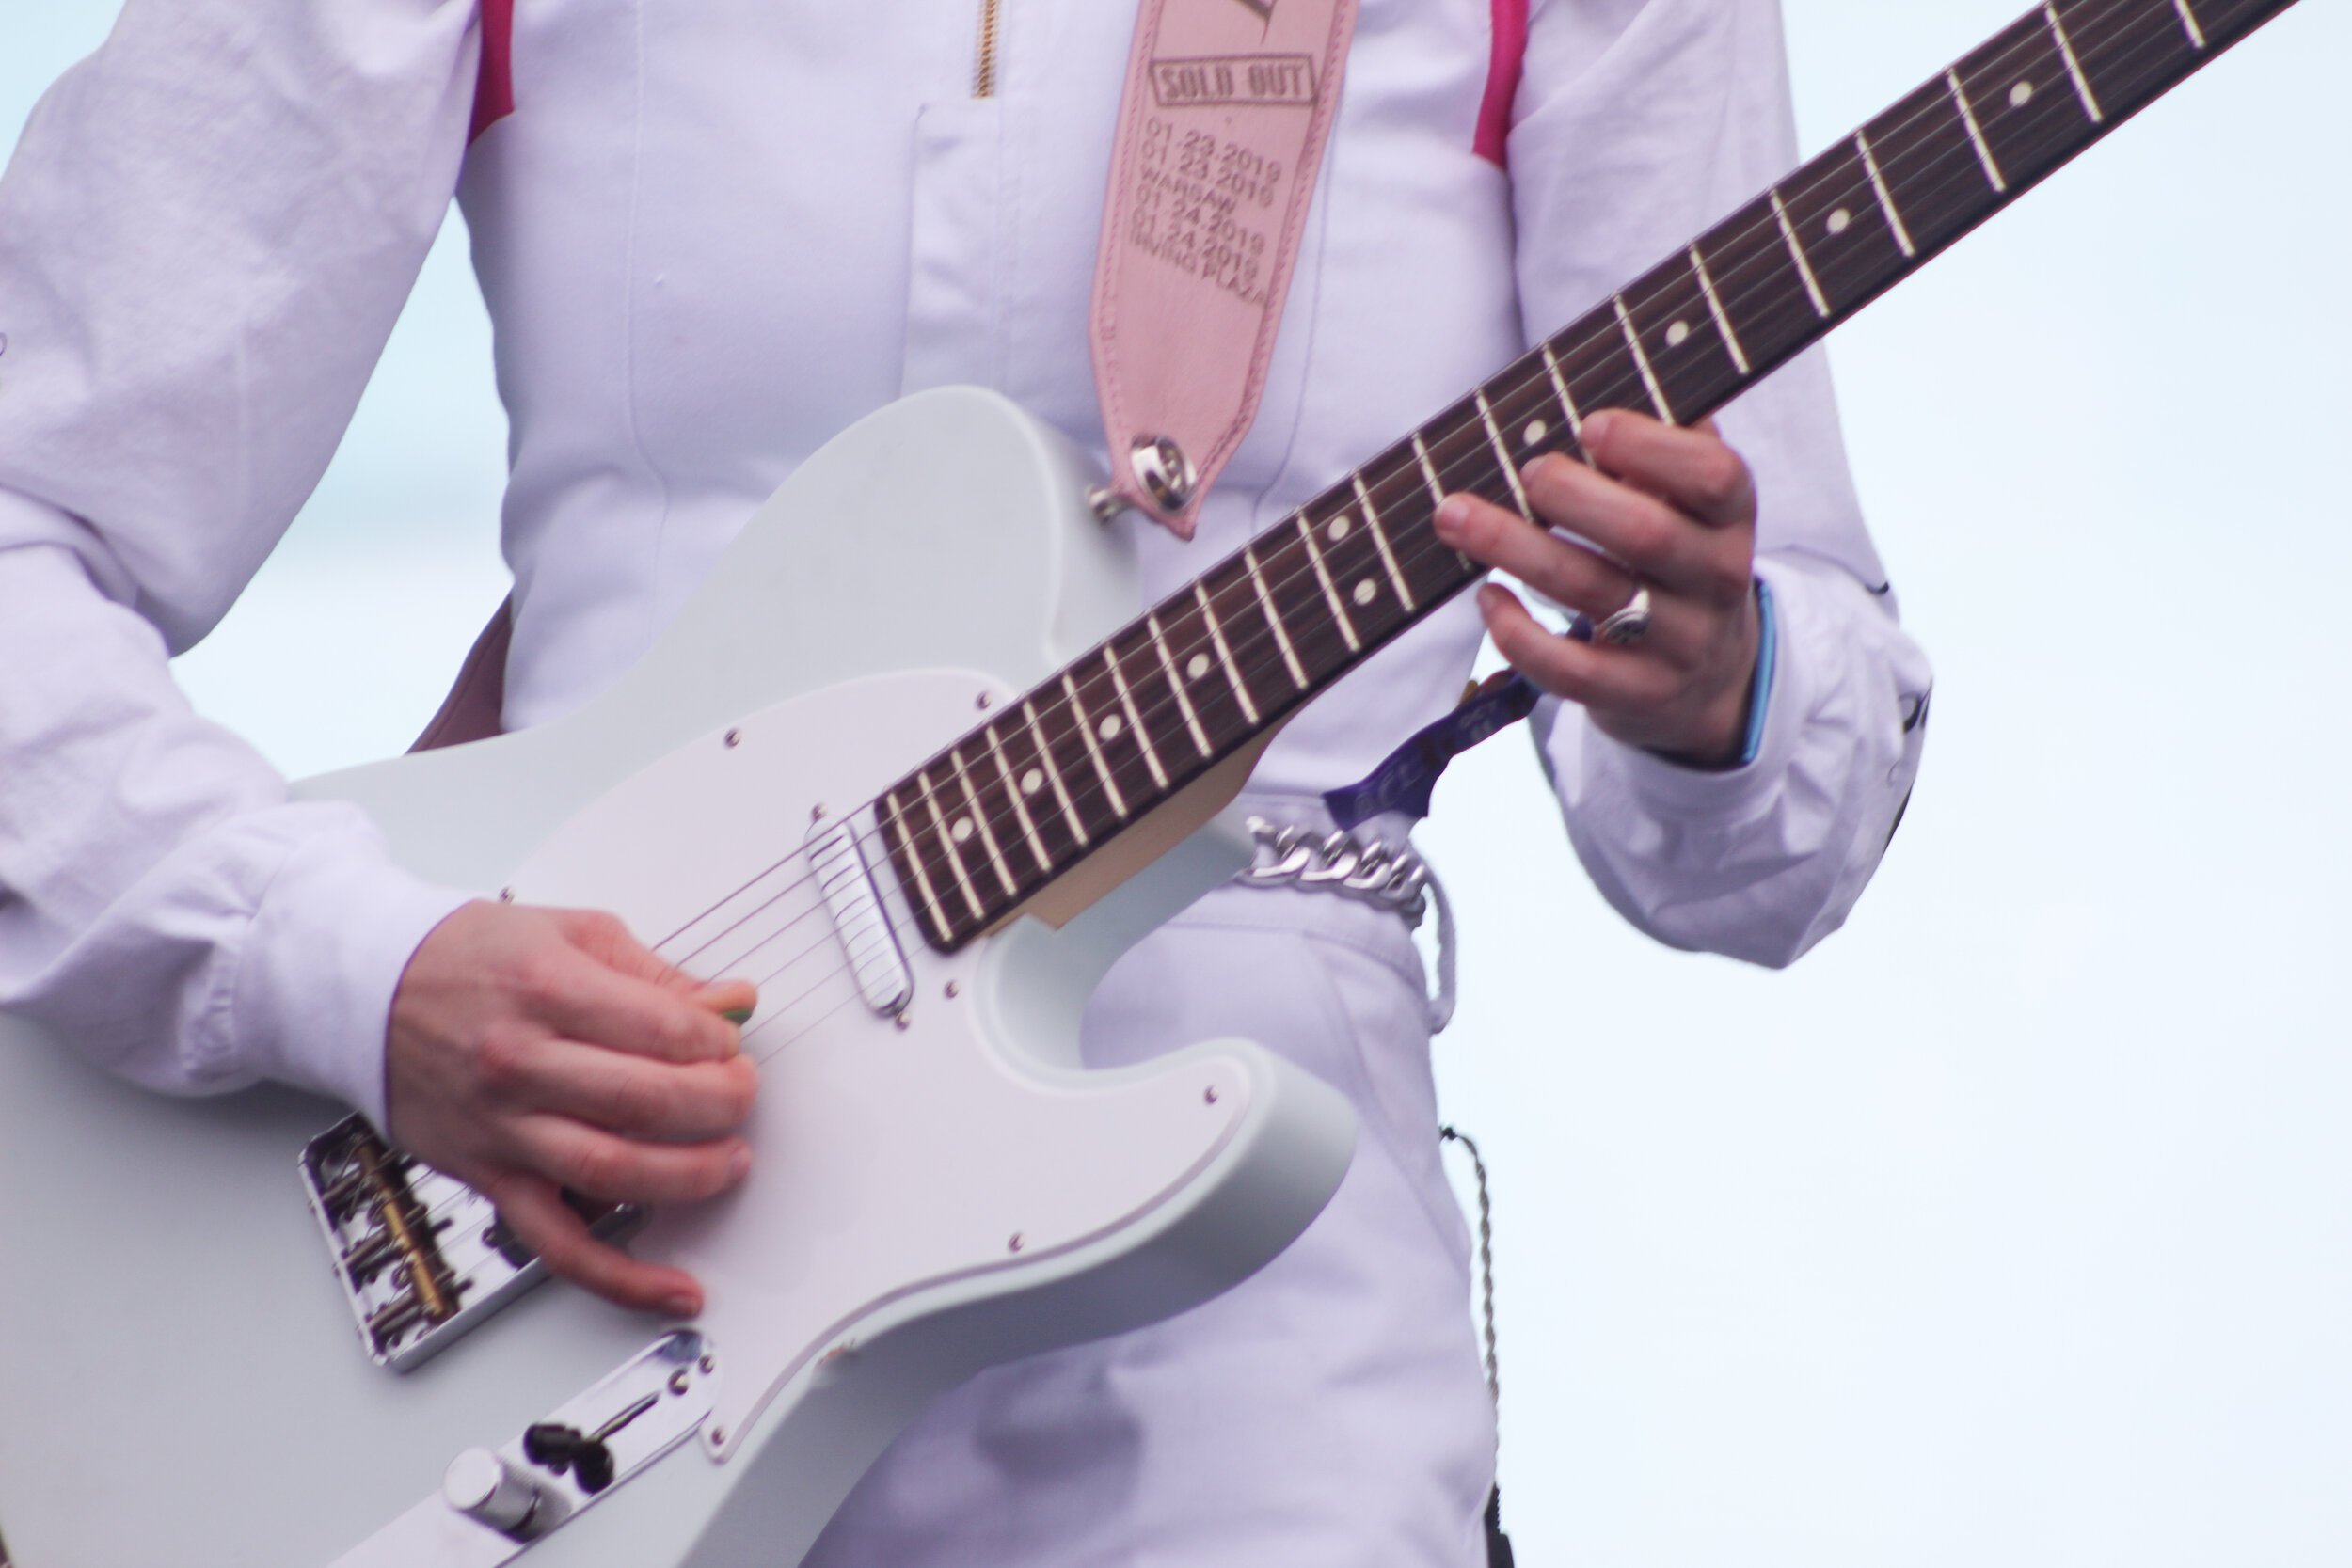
(710, 237)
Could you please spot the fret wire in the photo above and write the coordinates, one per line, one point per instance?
(1323, 575)
(1455, 453)
(2130, 60)
(1086, 736)
(1559, 388)
(1886, 198)
(1796, 252)
(1176, 687)
(1723, 318)
(2073, 66)
(1127, 701)
(1503, 457)
(1273, 616)
(1429, 474)
(1019, 807)
(1053, 774)
(948, 841)
(1316, 637)
(913, 859)
(1380, 533)
(1225, 655)
(1976, 134)
(980, 815)
(1641, 360)
(2189, 20)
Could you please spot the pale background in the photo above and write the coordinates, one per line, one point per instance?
(2010, 1226)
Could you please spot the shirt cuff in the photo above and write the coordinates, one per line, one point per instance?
(329, 943)
(1677, 790)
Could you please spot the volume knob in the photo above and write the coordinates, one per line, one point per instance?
(482, 1485)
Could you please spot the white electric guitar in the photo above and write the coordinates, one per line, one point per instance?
(226, 1338)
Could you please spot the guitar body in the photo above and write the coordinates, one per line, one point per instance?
(937, 1188)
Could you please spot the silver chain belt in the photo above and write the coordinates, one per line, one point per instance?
(1393, 878)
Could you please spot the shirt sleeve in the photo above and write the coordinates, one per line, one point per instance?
(1635, 127)
(206, 234)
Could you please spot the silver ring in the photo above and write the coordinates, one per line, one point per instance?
(1628, 625)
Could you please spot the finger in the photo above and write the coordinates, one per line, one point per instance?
(1690, 469)
(1641, 532)
(1560, 569)
(622, 1092)
(733, 1000)
(609, 939)
(624, 1170)
(535, 1211)
(1566, 572)
(1602, 678)
(576, 995)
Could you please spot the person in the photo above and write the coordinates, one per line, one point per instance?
(710, 237)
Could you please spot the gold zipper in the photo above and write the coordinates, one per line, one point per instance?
(984, 71)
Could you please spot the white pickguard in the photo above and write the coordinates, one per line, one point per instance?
(178, 1381)
(858, 1117)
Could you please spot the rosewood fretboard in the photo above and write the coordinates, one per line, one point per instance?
(1022, 800)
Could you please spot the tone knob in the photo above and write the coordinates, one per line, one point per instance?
(482, 1485)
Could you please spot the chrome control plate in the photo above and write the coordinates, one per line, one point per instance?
(493, 1503)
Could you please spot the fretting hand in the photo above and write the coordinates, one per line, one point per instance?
(533, 1050)
(1671, 510)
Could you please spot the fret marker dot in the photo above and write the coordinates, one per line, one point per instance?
(1338, 530)
(1196, 666)
(1839, 221)
(961, 831)
(1108, 729)
(1365, 592)
(1033, 781)
(2021, 95)
(1678, 334)
(1537, 430)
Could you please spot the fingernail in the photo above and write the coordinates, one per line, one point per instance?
(1453, 516)
(682, 1306)
(740, 1163)
(1596, 427)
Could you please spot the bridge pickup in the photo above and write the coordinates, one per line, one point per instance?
(421, 1257)
(847, 882)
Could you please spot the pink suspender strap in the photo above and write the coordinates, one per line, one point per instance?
(1502, 80)
(1228, 105)
(494, 87)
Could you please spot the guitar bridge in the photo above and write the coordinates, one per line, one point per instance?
(422, 1258)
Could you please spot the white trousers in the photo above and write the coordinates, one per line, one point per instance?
(1328, 1411)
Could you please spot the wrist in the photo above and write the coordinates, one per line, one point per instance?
(1731, 730)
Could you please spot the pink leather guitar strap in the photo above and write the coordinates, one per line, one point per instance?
(1220, 137)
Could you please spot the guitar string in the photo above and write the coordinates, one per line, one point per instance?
(1419, 540)
(1628, 389)
(1415, 548)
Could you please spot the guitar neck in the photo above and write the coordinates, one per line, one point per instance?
(1021, 801)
